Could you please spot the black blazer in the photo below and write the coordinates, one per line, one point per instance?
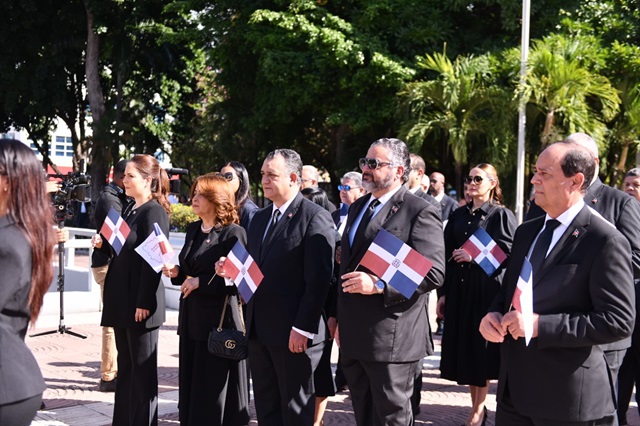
(202, 309)
(131, 283)
(447, 205)
(585, 298)
(618, 207)
(20, 376)
(297, 263)
(390, 327)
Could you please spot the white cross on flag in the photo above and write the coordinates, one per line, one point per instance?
(243, 271)
(115, 230)
(395, 263)
(484, 251)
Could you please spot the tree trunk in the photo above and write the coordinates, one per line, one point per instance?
(100, 155)
(549, 124)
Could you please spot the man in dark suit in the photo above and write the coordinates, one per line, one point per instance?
(384, 335)
(111, 196)
(350, 190)
(293, 242)
(583, 298)
(436, 189)
(413, 183)
(623, 212)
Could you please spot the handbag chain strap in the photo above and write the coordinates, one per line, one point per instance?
(224, 310)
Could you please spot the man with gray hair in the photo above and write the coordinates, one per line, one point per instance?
(383, 334)
(350, 190)
(632, 183)
(292, 241)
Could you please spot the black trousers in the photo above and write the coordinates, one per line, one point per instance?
(20, 413)
(283, 385)
(508, 415)
(136, 399)
(628, 378)
(380, 392)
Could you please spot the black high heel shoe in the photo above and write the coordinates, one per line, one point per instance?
(484, 419)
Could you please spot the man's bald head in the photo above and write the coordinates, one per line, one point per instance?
(586, 141)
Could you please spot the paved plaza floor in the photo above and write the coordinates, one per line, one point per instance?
(71, 367)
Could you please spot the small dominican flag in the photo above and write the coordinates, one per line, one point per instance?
(243, 271)
(115, 230)
(396, 263)
(484, 251)
(523, 299)
(163, 244)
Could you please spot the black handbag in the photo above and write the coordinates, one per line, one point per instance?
(230, 343)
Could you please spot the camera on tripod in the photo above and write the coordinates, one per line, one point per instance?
(73, 187)
(174, 185)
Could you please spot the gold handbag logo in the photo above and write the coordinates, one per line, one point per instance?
(230, 344)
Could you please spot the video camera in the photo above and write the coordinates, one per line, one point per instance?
(174, 185)
(73, 187)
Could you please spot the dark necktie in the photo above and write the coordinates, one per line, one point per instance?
(366, 218)
(272, 225)
(542, 245)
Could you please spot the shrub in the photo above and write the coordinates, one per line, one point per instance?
(181, 217)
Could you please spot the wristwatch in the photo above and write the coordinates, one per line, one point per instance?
(379, 286)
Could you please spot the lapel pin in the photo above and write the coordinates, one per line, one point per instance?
(290, 215)
(595, 200)
(575, 233)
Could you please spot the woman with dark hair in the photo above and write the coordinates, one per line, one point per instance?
(26, 250)
(238, 177)
(213, 390)
(323, 376)
(134, 303)
(468, 291)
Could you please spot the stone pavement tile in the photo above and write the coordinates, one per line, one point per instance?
(71, 367)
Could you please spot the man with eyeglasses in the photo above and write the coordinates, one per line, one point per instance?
(310, 178)
(350, 190)
(383, 335)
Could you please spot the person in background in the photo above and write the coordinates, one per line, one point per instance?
(323, 376)
(310, 178)
(630, 369)
(238, 177)
(134, 300)
(632, 183)
(184, 200)
(111, 196)
(26, 238)
(436, 189)
(468, 291)
(414, 179)
(213, 390)
(350, 190)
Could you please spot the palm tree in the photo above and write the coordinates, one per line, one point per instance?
(625, 126)
(458, 105)
(563, 85)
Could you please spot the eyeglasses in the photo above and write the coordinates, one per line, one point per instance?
(228, 176)
(475, 179)
(433, 180)
(372, 163)
(347, 187)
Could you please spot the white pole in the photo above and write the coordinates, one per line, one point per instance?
(522, 119)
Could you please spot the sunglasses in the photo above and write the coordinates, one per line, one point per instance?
(372, 163)
(347, 187)
(475, 179)
(228, 176)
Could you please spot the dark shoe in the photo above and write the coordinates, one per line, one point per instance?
(109, 386)
(42, 405)
(440, 328)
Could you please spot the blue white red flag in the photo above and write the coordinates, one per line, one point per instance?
(243, 271)
(523, 299)
(163, 244)
(484, 251)
(115, 230)
(395, 263)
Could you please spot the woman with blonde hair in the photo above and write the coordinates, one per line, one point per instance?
(26, 250)
(468, 290)
(213, 390)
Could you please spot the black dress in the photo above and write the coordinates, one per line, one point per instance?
(213, 390)
(467, 358)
